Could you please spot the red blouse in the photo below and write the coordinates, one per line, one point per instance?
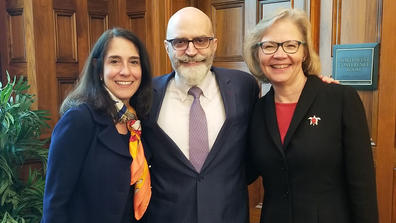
(284, 114)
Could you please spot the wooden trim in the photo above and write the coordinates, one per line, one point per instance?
(394, 196)
(3, 43)
(315, 23)
(386, 112)
(83, 37)
(96, 15)
(72, 15)
(157, 18)
(228, 4)
(17, 12)
(236, 58)
(30, 48)
(336, 24)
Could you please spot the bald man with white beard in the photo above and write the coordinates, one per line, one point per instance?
(215, 189)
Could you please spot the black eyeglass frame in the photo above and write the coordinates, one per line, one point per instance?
(260, 44)
(192, 41)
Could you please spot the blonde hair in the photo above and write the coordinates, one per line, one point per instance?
(311, 64)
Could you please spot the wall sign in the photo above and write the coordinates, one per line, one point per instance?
(356, 65)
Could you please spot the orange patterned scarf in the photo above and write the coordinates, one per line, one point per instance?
(140, 175)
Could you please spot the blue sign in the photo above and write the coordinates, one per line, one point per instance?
(356, 65)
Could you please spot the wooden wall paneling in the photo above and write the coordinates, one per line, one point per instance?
(118, 16)
(17, 32)
(122, 13)
(65, 85)
(394, 197)
(44, 54)
(386, 112)
(228, 24)
(137, 24)
(65, 36)
(205, 6)
(3, 39)
(97, 23)
(6, 6)
(114, 20)
(15, 49)
(83, 34)
(351, 17)
(158, 16)
(361, 17)
(336, 23)
(268, 7)
(137, 19)
(66, 44)
(229, 27)
(64, 4)
(315, 22)
(175, 5)
(30, 50)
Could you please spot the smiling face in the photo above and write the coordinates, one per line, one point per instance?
(122, 71)
(191, 64)
(281, 68)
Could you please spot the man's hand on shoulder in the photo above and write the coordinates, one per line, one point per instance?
(328, 80)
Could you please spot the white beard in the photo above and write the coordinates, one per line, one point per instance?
(192, 76)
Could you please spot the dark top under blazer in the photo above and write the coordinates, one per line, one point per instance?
(219, 193)
(88, 178)
(322, 173)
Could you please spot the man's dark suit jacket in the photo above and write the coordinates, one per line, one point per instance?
(322, 173)
(218, 193)
(88, 177)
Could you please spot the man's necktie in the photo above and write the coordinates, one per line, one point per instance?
(140, 175)
(198, 131)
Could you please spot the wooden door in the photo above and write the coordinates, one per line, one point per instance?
(365, 21)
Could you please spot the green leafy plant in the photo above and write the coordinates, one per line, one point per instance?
(21, 200)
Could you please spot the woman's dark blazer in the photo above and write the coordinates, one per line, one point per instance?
(322, 173)
(88, 177)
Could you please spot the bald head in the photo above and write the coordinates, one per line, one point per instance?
(189, 22)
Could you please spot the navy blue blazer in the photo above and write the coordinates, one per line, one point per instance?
(323, 173)
(218, 193)
(88, 177)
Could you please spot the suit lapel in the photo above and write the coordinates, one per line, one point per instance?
(305, 101)
(225, 85)
(108, 135)
(271, 120)
(159, 90)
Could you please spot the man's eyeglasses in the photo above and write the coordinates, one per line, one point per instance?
(289, 46)
(182, 43)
